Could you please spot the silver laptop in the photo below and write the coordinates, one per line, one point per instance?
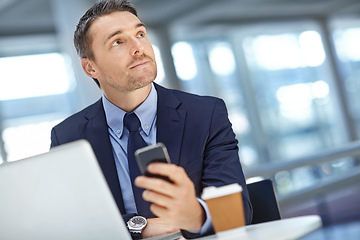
(61, 194)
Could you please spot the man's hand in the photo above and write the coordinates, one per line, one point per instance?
(174, 203)
(157, 226)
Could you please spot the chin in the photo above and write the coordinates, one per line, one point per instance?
(140, 85)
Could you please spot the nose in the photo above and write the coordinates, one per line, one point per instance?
(137, 47)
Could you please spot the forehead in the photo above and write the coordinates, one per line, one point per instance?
(116, 21)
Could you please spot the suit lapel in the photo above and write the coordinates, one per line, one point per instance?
(170, 122)
(96, 131)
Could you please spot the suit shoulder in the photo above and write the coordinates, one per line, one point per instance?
(200, 103)
(79, 116)
(195, 98)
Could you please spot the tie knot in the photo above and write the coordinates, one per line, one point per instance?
(132, 122)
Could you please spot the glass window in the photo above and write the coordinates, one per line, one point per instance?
(184, 61)
(346, 38)
(31, 88)
(289, 80)
(27, 139)
(33, 76)
(297, 105)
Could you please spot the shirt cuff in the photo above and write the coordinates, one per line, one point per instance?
(207, 226)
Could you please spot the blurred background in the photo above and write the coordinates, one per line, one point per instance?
(289, 72)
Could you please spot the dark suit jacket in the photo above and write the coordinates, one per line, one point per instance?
(195, 129)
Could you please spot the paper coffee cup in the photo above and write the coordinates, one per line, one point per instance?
(226, 206)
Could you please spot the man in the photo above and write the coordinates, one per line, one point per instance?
(116, 53)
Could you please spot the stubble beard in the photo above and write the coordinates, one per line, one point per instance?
(133, 83)
(137, 83)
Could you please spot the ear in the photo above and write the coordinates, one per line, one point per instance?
(89, 68)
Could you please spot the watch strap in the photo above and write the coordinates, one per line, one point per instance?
(135, 235)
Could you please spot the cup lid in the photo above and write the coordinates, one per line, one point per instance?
(215, 192)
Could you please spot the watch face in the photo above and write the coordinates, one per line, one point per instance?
(137, 222)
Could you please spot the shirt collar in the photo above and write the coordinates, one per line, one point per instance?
(146, 113)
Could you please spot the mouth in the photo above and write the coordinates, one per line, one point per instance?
(139, 63)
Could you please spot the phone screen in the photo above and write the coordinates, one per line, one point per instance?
(153, 153)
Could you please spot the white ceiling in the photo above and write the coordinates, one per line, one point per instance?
(18, 17)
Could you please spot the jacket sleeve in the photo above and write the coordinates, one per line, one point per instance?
(221, 163)
(221, 157)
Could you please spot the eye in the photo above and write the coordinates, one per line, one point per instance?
(116, 43)
(140, 35)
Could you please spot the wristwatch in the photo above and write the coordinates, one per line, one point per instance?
(136, 225)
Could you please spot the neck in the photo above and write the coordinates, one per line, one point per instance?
(129, 101)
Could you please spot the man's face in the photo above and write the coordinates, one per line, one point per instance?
(124, 60)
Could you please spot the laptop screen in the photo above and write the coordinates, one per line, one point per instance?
(61, 194)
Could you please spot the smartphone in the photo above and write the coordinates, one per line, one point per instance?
(152, 153)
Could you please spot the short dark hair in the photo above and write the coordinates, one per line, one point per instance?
(82, 40)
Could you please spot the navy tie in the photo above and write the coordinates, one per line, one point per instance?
(135, 141)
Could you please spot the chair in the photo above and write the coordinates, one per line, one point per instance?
(263, 200)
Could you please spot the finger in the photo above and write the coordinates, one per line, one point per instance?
(158, 199)
(172, 171)
(159, 211)
(156, 185)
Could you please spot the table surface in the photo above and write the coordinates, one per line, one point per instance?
(348, 231)
(284, 229)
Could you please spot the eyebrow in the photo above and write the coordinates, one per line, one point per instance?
(121, 31)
